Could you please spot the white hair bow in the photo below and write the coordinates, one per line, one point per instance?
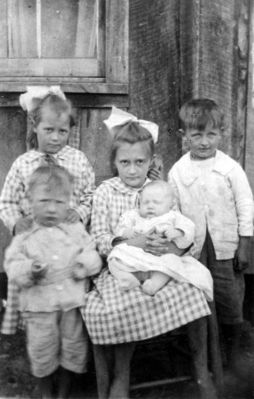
(28, 100)
(119, 118)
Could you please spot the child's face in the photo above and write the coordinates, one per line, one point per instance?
(49, 207)
(203, 143)
(52, 131)
(132, 162)
(154, 202)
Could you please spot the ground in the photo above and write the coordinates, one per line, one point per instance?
(16, 381)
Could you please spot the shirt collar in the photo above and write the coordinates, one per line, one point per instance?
(34, 155)
(189, 174)
(117, 184)
(36, 227)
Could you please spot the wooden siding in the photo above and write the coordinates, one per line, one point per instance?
(154, 70)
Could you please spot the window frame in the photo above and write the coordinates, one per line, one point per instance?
(115, 57)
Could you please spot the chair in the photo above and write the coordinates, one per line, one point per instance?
(201, 347)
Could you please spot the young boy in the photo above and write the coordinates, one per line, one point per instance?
(132, 266)
(213, 191)
(50, 264)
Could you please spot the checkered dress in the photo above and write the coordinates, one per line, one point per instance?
(14, 204)
(113, 316)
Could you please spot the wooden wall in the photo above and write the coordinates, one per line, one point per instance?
(154, 70)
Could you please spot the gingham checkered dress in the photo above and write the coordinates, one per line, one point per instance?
(14, 204)
(113, 316)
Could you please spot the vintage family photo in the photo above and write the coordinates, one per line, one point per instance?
(126, 199)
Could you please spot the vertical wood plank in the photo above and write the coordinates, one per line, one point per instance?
(22, 34)
(216, 65)
(241, 81)
(101, 37)
(3, 29)
(249, 147)
(117, 40)
(96, 142)
(154, 70)
(12, 138)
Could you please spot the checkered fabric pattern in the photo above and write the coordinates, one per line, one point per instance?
(111, 199)
(11, 318)
(13, 202)
(113, 316)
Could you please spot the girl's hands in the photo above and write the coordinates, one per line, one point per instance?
(137, 241)
(157, 245)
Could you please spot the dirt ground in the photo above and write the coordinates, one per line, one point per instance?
(16, 381)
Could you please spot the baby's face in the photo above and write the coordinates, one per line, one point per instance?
(155, 201)
(49, 207)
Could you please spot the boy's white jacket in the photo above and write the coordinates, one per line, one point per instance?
(224, 205)
(70, 256)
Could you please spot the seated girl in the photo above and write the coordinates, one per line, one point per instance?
(115, 319)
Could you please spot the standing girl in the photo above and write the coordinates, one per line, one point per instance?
(51, 118)
(116, 319)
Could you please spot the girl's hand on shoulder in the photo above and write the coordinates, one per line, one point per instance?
(155, 171)
(154, 174)
(23, 224)
(72, 216)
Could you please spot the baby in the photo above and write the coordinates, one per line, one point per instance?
(132, 266)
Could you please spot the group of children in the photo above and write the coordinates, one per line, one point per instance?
(169, 246)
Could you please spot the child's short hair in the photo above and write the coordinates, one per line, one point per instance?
(57, 104)
(200, 112)
(54, 177)
(131, 132)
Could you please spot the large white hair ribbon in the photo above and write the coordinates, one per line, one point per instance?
(119, 118)
(29, 100)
